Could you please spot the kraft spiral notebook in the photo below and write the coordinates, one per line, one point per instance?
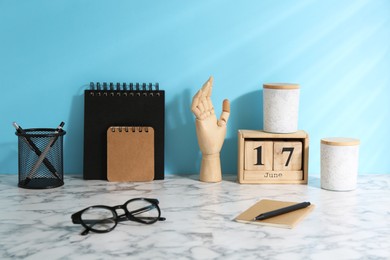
(130, 153)
(288, 220)
(107, 105)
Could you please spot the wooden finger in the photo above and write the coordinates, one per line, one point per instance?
(208, 87)
(197, 113)
(225, 113)
(226, 106)
(196, 99)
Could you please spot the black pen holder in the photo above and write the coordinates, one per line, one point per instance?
(40, 158)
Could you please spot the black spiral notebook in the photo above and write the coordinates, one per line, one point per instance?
(109, 104)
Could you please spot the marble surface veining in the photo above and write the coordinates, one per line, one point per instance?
(36, 224)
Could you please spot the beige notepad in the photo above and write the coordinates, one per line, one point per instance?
(130, 153)
(288, 220)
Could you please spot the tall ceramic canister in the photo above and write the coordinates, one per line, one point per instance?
(281, 107)
(339, 163)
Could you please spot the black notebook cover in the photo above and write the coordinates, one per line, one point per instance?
(124, 104)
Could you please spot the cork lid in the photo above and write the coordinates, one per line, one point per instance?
(281, 86)
(340, 141)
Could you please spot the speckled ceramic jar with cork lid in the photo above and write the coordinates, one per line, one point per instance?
(339, 163)
(281, 106)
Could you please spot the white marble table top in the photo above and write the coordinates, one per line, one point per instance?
(36, 224)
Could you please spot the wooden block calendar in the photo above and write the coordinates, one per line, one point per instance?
(273, 158)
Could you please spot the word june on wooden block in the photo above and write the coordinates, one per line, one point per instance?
(272, 158)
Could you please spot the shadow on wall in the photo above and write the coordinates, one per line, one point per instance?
(246, 113)
(9, 157)
(73, 141)
(182, 155)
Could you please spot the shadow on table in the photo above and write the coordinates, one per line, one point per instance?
(9, 180)
(314, 181)
(195, 177)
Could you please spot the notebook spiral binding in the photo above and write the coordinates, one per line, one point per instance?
(124, 89)
(129, 128)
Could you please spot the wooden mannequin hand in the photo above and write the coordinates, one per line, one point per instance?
(210, 131)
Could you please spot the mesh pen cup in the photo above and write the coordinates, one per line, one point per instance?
(40, 158)
(339, 163)
(281, 107)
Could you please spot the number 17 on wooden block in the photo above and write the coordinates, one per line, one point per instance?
(273, 158)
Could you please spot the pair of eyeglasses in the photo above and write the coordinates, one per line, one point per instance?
(102, 219)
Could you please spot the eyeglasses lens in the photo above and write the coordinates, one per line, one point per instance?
(143, 210)
(100, 219)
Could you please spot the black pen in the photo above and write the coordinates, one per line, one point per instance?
(281, 211)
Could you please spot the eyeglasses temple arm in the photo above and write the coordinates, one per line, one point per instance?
(142, 210)
(85, 232)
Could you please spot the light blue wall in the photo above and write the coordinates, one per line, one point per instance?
(338, 51)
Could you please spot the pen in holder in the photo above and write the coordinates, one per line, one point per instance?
(40, 157)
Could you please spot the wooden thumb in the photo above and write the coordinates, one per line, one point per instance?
(225, 113)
